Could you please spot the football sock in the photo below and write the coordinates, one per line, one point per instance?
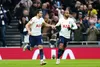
(41, 54)
(60, 52)
(28, 47)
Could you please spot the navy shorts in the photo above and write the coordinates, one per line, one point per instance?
(35, 40)
(63, 40)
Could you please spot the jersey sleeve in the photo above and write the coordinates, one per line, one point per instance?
(59, 23)
(73, 24)
(32, 21)
(42, 20)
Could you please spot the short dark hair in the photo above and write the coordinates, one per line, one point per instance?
(37, 11)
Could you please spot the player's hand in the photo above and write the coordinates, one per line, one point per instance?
(53, 26)
(68, 27)
(30, 33)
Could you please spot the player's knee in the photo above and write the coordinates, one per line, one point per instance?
(31, 48)
(40, 46)
(61, 45)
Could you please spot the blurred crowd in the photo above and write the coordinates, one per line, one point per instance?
(86, 14)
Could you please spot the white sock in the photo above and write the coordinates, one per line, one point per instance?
(58, 59)
(41, 60)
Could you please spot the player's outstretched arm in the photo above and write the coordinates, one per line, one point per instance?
(48, 25)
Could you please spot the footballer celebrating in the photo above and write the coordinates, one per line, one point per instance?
(35, 37)
(67, 24)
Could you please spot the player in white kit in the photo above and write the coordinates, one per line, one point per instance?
(67, 24)
(35, 37)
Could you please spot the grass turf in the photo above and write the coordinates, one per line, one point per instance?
(50, 63)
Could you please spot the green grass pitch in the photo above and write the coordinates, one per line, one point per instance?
(50, 63)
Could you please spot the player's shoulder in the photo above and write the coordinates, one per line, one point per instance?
(61, 19)
(42, 18)
(33, 18)
(71, 19)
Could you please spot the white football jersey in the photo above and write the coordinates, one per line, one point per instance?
(36, 25)
(65, 24)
